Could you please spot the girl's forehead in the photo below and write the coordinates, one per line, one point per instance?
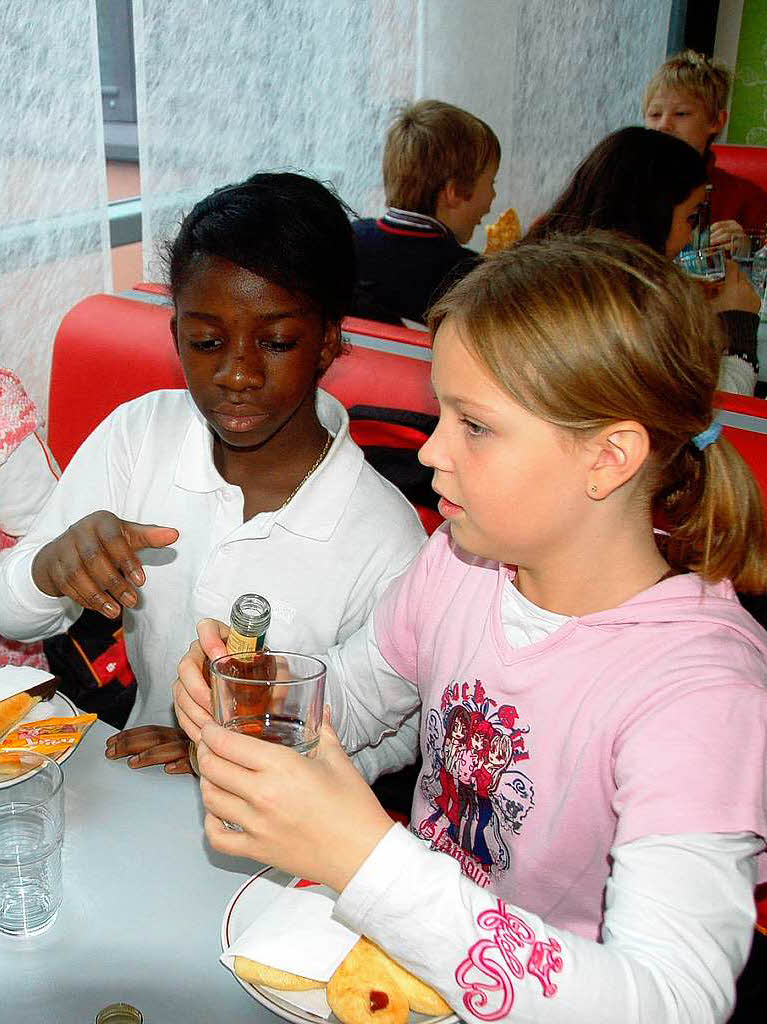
(213, 280)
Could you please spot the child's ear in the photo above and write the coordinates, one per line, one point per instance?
(719, 122)
(619, 452)
(450, 195)
(331, 346)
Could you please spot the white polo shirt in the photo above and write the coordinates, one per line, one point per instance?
(321, 561)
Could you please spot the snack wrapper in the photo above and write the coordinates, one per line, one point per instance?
(50, 736)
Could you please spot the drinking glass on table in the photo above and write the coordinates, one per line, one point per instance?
(276, 696)
(31, 836)
(745, 248)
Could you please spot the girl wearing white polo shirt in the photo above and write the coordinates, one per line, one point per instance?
(250, 475)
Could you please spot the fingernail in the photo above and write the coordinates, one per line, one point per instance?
(111, 609)
(137, 577)
(129, 598)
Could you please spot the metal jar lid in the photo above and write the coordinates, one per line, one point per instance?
(119, 1013)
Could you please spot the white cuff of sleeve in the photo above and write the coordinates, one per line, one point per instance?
(29, 606)
(380, 872)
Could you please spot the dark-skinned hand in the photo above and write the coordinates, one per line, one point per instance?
(94, 562)
(151, 744)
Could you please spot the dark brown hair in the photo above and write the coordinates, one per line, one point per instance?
(630, 182)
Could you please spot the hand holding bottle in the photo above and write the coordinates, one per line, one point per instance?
(250, 618)
(728, 233)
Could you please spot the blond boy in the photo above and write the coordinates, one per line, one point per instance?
(687, 97)
(439, 167)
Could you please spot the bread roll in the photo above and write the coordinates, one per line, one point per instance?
(260, 974)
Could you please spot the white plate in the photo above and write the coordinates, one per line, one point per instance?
(244, 907)
(59, 706)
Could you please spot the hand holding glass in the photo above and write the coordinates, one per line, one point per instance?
(31, 836)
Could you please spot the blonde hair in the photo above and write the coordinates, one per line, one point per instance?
(587, 330)
(706, 79)
(429, 144)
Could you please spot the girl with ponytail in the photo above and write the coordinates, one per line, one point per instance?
(607, 874)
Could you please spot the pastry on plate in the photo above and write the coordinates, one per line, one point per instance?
(273, 977)
(371, 987)
(363, 990)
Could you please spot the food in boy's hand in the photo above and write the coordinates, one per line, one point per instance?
(363, 989)
(504, 233)
(49, 736)
(14, 709)
(273, 977)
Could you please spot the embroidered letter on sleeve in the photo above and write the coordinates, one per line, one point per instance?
(492, 963)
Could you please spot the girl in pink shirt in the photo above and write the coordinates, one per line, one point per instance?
(598, 860)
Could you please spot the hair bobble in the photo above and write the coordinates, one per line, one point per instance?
(708, 436)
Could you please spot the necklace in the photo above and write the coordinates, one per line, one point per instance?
(312, 468)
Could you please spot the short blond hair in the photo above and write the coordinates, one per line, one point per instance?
(707, 80)
(588, 330)
(430, 143)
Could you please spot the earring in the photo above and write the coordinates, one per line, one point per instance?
(593, 488)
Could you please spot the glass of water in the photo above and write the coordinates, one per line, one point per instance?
(31, 836)
(744, 248)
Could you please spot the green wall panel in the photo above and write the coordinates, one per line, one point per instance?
(748, 111)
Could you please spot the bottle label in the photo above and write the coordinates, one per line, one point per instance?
(239, 644)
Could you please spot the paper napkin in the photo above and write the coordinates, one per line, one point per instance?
(297, 933)
(14, 679)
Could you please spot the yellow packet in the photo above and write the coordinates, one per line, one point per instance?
(51, 736)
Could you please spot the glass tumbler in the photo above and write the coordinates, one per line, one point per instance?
(704, 265)
(31, 836)
(277, 697)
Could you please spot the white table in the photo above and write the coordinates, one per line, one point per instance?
(143, 902)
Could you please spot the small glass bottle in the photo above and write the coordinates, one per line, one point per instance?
(248, 622)
(701, 235)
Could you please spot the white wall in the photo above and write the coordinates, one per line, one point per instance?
(551, 77)
(54, 238)
(313, 83)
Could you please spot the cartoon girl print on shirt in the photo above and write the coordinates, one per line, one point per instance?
(477, 778)
(456, 733)
(487, 780)
(471, 778)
